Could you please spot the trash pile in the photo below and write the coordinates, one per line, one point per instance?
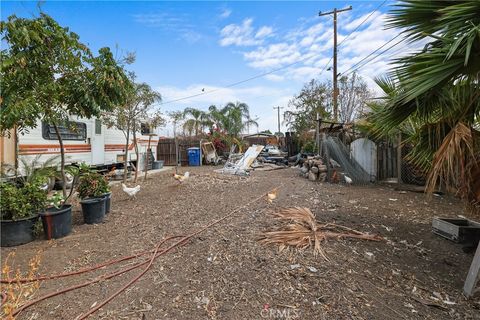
(241, 164)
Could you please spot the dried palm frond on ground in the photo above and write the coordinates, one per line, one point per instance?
(304, 231)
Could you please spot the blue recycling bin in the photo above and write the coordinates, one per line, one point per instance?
(193, 156)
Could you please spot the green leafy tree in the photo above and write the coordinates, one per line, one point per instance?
(139, 108)
(233, 118)
(48, 75)
(196, 121)
(306, 106)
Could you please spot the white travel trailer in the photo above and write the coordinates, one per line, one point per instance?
(85, 140)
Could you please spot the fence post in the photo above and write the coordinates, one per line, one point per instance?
(399, 157)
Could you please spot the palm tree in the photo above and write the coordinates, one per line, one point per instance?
(197, 121)
(434, 95)
(236, 118)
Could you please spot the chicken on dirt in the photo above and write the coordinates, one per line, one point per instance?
(131, 192)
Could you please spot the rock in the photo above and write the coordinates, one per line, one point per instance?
(312, 176)
(334, 163)
(295, 266)
(322, 168)
(369, 256)
(322, 177)
(312, 269)
(304, 170)
(314, 170)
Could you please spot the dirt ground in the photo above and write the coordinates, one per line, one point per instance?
(224, 273)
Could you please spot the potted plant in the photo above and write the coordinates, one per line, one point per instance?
(19, 209)
(57, 218)
(91, 190)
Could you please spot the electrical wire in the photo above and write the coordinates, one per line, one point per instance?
(354, 67)
(356, 28)
(274, 70)
(236, 83)
(361, 23)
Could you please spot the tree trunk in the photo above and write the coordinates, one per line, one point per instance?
(62, 161)
(147, 157)
(125, 161)
(136, 153)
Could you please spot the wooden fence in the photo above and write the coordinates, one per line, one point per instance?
(166, 150)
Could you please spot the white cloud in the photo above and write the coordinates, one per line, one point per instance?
(225, 13)
(163, 20)
(170, 22)
(274, 77)
(244, 34)
(274, 55)
(309, 47)
(264, 32)
(356, 22)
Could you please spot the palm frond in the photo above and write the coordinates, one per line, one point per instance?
(303, 231)
(452, 160)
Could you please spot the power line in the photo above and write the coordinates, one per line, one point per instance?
(274, 70)
(356, 28)
(238, 82)
(373, 52)
(361, 23)
(378, 55)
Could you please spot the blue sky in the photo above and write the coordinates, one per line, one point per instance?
(184, 47)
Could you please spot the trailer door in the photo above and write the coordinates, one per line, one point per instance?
(98, 144)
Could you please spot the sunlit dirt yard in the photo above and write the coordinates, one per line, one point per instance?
(224, 273)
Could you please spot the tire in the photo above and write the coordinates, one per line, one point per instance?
(48, 185)
(69, 182)
(70, 178)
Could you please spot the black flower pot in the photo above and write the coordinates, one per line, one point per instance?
(57, 223)
(16, 232)
(93, 210)
(108, 197)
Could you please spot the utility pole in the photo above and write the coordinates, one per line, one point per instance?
(335, 74)
(278, 109)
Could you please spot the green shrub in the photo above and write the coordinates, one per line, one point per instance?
(309, 146)
(21, 202)
(92, 185)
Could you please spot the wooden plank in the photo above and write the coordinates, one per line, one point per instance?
(473, 274)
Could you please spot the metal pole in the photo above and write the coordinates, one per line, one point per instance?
(335, 89)
(278, 116)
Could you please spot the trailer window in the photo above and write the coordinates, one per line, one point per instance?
(68, 131)
(98, 126)
(145, 129)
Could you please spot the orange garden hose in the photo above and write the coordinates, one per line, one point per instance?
(96, 267)
(148, 262)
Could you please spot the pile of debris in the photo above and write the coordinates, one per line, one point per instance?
(315, 169)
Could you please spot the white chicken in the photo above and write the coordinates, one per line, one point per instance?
(131, 192)
(348, 180)
(181, 178)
